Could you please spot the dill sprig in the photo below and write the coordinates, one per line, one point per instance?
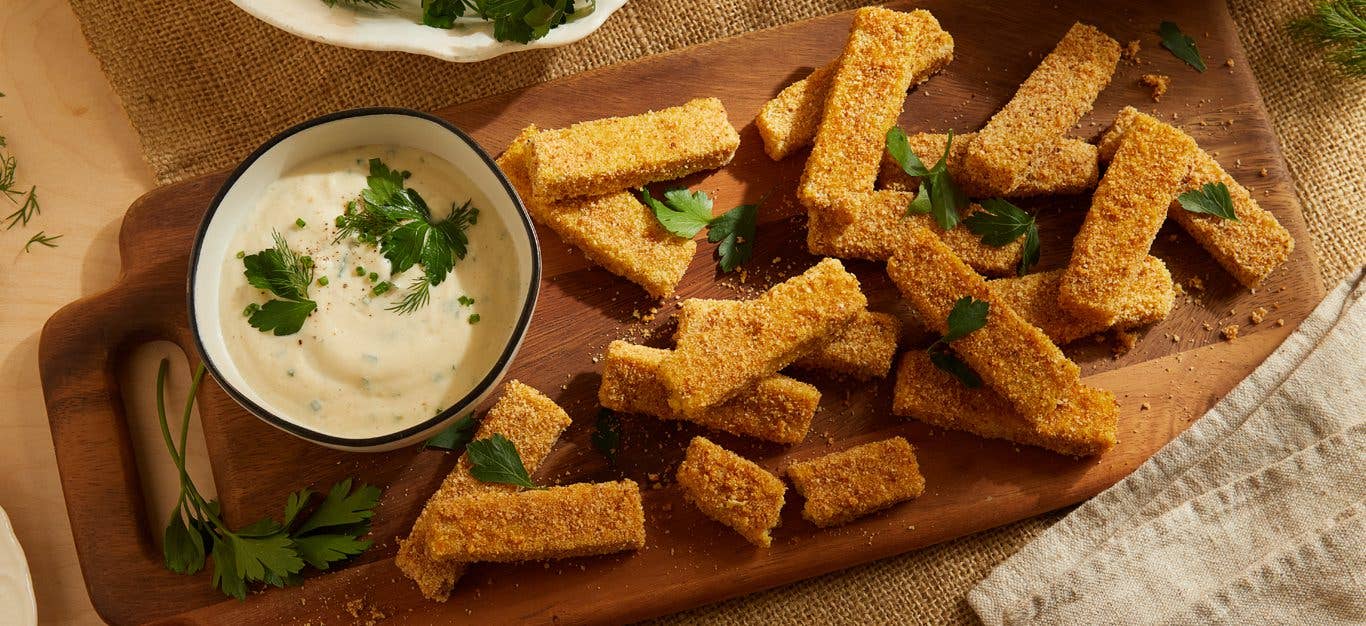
(42, 239)
(1339, 27)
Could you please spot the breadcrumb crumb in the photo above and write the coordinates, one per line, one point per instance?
(1157, 85)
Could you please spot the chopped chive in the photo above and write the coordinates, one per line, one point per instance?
(466, 300)
(474, 318)
(251, 310)
(360, 271)
(381, 288)
(299, 221)
(307, 261)
(322, 281)
(374, 276)
(241, 254)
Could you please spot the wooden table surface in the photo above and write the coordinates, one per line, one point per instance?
(69, 133)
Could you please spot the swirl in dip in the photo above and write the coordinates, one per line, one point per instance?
(356, 369)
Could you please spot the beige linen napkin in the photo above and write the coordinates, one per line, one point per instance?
(1256, 514)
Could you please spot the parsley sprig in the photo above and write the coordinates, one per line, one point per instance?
(456, 436)
(999, 223)
(968, 315)
(495, 460)
(1181, 45)
(266, 551)
(1211, 199)
(684, 213)
(286, 274)
(938, 193)
(522, 21)
(398, 221)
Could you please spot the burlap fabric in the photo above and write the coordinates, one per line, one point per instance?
(203, 87)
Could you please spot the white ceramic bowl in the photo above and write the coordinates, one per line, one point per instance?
(401, 29)
(237, 200)
(18, 605)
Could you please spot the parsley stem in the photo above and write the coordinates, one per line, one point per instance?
(187, 486)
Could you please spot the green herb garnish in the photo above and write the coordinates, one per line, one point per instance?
(474, 318)
(522, 21)
(495, 460)
(1340, 28)
(381, 289)
(938, 193)
(286, 274)
(684, 213)
(968, 315)
(1211, 198)
(1180, 45)
(1000, 223)
(465, 300)
(455, 436)
(381, 4)
(607, 434)
(42, 239)
(267, 551)
(322, 281)
(398, 221)
(27, 202)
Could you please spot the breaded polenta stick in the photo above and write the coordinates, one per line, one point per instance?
(880, 224)
(1048, 103)
(1069, 167)
(788, 122)
(730, 350)
(608, 155)
(777, 408)
(864, 98)
(1147, 299)
(614, 230)
(1011, 355)
(1248, 248)
(1082, 426)
(863, 349)
(1126, 212)
(845, 485)
(533, 423)
(732, 490)
(535, 525)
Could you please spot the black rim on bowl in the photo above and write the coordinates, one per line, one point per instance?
(463, 404)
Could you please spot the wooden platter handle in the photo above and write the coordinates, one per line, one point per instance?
(80, 349)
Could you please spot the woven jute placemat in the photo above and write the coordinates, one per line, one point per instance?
(204, 86)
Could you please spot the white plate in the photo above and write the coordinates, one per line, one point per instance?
(401, 29)
(17, 601)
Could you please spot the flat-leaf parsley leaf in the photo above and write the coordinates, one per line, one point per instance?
(286, 274)
(967, 316)
(1211, 198)
(734, 230)
(607, 434)
(1180, 45)
(999, 223)
(682, 213)
(455, 436)
(495, 460)
(938, 194)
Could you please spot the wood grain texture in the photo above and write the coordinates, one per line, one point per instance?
(973, 484)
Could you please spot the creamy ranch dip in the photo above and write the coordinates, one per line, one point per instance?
(356, 369)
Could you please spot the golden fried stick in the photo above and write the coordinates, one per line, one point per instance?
(614, 230)
(1069, 167)
(535, 525)
(880, 224)
(1011, 355)
(608, 155)
(1053, 99)
(886, 52)
(863, 349)
(1248, 248)
(845, 485)
(1147, 299)
(1082, 426)
(732, 490)
(1126, 212)
(788, 122)
(533, 423)
(730, 350)
(777, 408)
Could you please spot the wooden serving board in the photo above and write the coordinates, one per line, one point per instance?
(973, 484)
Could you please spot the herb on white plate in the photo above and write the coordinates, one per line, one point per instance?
(684, 213)
(522, 21)
(398, 221)
(938, 194)
(1211, 199)
(1181, 45)
(287, 275)
(266, 551)
(968, 315)
(999, 223)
